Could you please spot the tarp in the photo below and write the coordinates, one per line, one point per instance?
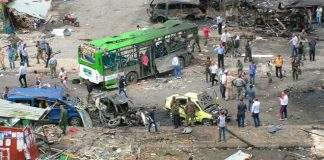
(33, 8)
(21, 111)
(304, 3)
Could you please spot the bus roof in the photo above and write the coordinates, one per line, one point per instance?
(143, 35)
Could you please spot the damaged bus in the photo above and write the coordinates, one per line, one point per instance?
(104, 61)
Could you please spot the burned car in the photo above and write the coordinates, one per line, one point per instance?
(160, 11)
(207, 111)
(113, 111)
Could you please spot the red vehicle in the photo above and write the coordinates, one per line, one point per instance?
(70, 20)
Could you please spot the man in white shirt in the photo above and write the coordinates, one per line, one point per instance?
(294, 42)
(284, 103)
(319, 11)
(22, 74)
(213, 70)
(222, 126)
(222, 78)
(177, 68)
(219, 22)
(255, 112)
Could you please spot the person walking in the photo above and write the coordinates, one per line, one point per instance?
(48, 51)
(300, 51)
(294, 67)
(319, 11)
(152, 120)
(229, 86)
(20, 47)
(206, 32)
(224, 38)
(240, 84)
(208, 64)
(239, 66)
(222, 78)
(24, 55)
(236, 45)
(284, 104)
(312, 47)
(222, 126)
(219, 22)
(62, 74)
(220, 51)
(39, 52)
(241, 109)
(278, 64)
(177, 67)
(63, 119)
(294, 42)
(213, 70)
(196, 42)
(2, 56)
(121, 86)
(248, 51)
(22, 75)
(252, 70)
(190, 112)
(53, 63)
(175, 112)
(145, 64)
(251, 96)
(255, 113)
(11, 56)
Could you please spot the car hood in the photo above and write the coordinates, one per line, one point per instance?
(205, 100)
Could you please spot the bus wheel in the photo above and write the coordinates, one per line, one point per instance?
(131, 78)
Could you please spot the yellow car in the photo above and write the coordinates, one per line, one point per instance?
(207, 111)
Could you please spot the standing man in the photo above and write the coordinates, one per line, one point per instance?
(284, 103)
(48, 51)
(121, 86)
(312, 47)
(152, 120)
(2, 56)
(241, 109)
(190, 112)
(219, 22)
(239, 66)
(278, 64)
(220, 51)
(251, 96)
(248, 51)
(294, 67)
(300, 50)
(11, 56)
(252, 70)
(66, 88)
(239, 83)
(236, 45)
(145, 64)
(222, 126)
(222, 78)
(89, 86)
(53, 63)
(22, 74)
(39, 52)
(208, 64)
(319, 11)
(20, 50)
(255, 113)
(213, 70)
(24, 54)
(294, 42)
(196, 42)
(177, 67)
(229, 86)
(175, 112)
(269, 71)
(224, 38)
(206, 31)
(62, 74)
(63, 119)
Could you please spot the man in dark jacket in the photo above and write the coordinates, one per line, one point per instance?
(175, 112)
(312, 47)
(152, 120)
(121, 86)
(63, 119)
(241, 109)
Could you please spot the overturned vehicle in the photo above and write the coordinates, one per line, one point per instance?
(113, 111)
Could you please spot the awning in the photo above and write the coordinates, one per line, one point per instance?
(16, 110)
(33, 8)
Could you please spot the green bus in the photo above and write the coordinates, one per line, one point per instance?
(103, 61)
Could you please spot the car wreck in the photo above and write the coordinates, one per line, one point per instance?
(113, 111)
(207, 109)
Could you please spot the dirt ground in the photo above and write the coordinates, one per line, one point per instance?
(106, 18)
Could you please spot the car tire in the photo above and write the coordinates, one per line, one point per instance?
(76, 81)
(206, 122)
(160, 19)
(75, 121)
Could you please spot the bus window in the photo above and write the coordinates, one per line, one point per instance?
(87, 53)
(108, 59)
(126, 57)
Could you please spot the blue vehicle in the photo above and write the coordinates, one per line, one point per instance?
(39, 97)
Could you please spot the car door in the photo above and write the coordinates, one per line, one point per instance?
(55, 112)
(174, 10)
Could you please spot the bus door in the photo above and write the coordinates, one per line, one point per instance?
(146, 51)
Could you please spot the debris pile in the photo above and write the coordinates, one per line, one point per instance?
(48, 133)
